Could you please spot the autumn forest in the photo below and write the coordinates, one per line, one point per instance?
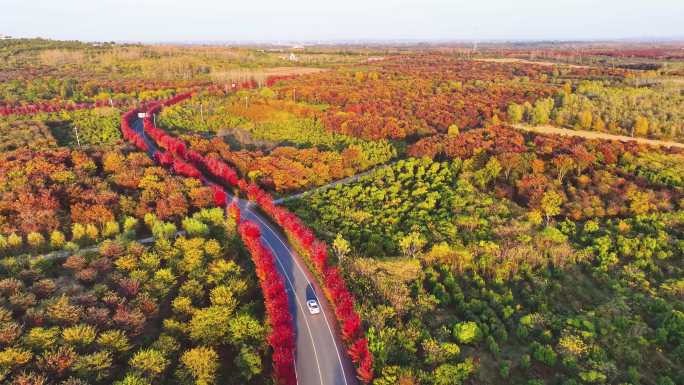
(501, 214)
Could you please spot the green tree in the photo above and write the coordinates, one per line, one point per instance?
(542, 111)
(515, 113)
(195, 228)
(245, 329)
(249, 362)
(467, 332)
(544, 354)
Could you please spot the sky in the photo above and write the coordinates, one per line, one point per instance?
(340, 20)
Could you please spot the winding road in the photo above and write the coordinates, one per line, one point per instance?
(321, 358)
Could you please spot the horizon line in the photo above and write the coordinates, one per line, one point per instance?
(373, 41)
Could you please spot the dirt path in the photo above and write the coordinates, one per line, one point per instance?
(348, 179)
(596, 135)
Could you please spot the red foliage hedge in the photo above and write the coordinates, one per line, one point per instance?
(281, 338)
(57, 105)
(130, 134)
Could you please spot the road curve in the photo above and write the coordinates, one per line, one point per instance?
(321, 358)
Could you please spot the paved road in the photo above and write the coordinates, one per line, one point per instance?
(321, 358)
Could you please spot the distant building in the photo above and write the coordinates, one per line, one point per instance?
(293, 57)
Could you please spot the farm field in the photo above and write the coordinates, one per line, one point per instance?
(512, 214)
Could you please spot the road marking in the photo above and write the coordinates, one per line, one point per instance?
(327, 323)
(301, 308)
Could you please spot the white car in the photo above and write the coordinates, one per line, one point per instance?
(313, 306)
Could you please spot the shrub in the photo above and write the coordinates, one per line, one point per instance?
(35, 240)
(57, 239)
(58, 361)
(41, 338)
(467, 332)
(12, 357)
(110, 229)
(80, 335)
(14, 241)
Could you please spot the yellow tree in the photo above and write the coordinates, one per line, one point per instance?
(640, 127)
(550, 204)
(202, 364)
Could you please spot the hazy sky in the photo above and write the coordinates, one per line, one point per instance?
(250, 20)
